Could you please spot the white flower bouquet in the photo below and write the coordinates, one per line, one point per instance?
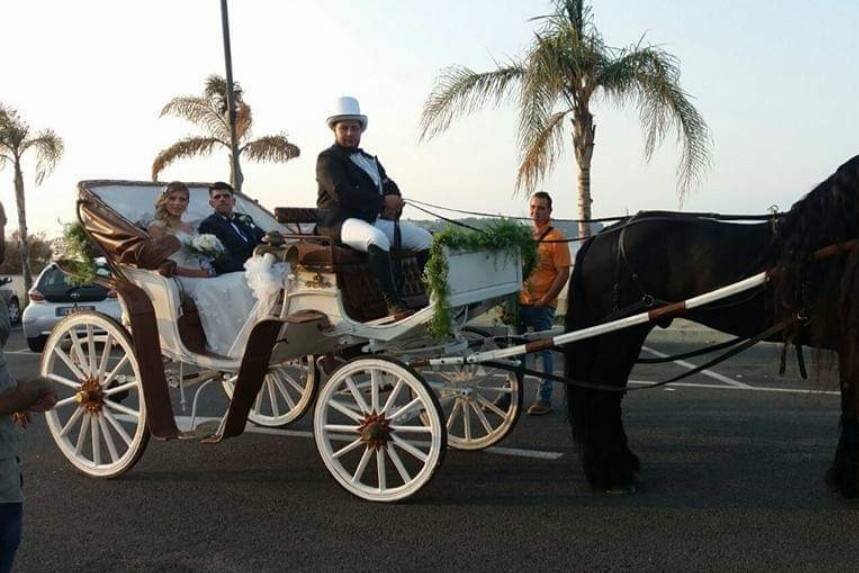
(207, 247)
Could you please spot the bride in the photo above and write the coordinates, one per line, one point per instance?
(225, 302)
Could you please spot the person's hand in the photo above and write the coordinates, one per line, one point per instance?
(44, 403)
(22, 419)
(392, 207)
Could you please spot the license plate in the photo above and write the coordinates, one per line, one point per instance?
(67, 310)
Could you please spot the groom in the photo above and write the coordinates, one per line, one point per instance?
(237, 233)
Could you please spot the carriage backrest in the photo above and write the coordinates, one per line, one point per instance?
(117, 213)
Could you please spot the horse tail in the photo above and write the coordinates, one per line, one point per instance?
(578, 356)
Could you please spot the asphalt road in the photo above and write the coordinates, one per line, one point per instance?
(733, 469)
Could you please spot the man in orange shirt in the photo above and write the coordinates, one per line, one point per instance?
(539, 295)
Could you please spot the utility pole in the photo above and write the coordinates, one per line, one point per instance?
(231, 100)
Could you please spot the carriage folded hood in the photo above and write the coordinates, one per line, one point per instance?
(121, 240)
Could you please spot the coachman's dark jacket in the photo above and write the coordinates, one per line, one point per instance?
(346, 191)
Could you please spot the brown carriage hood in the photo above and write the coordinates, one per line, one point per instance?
(121, 240)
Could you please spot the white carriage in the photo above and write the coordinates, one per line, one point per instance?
(383, 416)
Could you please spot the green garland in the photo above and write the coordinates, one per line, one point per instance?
(502, 236)
(78, 255)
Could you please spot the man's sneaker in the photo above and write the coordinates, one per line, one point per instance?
(539, 408)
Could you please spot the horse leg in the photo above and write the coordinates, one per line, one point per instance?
(843, 475)
(608, 463)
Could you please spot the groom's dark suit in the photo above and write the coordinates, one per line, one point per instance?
(239, 235)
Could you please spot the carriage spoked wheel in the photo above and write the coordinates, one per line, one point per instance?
(286, 394)
(379, 429)
(480, 404)
(99, 422)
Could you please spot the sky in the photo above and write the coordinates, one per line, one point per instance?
(776, 81)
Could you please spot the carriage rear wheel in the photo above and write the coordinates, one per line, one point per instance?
(480, 404)
(99, 422)
(379, 430)
(286, 394)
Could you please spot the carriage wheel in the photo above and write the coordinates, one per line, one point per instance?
(480, 404)
(378, 429)
(286, 393)
(99, 422)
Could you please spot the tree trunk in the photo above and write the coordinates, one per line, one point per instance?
(22, 226)
(584, 132)
(236, 179)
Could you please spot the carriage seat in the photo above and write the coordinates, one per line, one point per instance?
(362, 296)
(318, 250)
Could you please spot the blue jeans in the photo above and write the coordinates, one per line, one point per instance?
(10, 533)
(540, 318)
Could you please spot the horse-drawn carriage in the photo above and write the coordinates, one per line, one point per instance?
(373, 409)
(397, 397)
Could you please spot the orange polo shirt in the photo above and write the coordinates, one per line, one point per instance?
(552, 258)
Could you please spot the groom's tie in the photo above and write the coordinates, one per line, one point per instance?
(232, 223)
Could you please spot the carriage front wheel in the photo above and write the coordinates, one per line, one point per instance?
(99, 422)
(379, 429)
(481, 404)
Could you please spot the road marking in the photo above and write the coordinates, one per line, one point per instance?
(184, 423)
(24, 351)
(744, 387)
(690, 366)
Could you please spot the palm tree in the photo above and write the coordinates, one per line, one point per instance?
(567, 67)
(15, 141)
(209, 112)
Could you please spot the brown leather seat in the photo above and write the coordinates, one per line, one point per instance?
(361, 294)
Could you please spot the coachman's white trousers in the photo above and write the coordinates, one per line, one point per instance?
(360, 235)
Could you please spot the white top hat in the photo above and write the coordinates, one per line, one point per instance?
(346, 108)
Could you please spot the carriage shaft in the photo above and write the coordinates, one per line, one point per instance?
(669, 310)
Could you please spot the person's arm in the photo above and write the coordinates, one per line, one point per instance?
(393, 204)
(156, 232)
(556, 288)
(561, 261)
(35, 395)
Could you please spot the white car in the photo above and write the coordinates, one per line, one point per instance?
(54, 297)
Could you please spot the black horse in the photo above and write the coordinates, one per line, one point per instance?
(656, 257)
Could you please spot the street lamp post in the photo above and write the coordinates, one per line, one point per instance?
(231, 99)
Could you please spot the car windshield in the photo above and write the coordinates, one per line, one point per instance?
(55, 286)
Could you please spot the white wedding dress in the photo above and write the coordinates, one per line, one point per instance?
(227, 305)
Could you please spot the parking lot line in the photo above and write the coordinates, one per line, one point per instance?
(690, 366)
(184, 423)
(743, 387)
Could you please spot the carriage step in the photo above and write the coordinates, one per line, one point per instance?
(201, 431)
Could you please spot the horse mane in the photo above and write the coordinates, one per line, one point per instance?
(828, 214)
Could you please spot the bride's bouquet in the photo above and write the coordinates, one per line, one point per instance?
(207, 248)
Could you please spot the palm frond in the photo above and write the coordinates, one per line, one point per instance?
(13, 130)
(199, 111)
(460, 91)
(244, 120)
(49, 149)
(184, 149)
(274, 148)
(216, 90)
(651, 78)
(541, 150)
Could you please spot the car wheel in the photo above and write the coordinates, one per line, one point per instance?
(37, 343)
(14, 311)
